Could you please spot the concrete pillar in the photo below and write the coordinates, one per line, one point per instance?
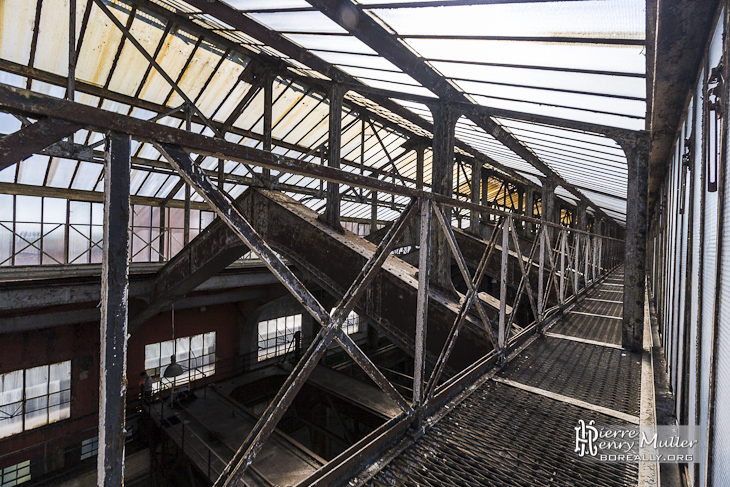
(637, 155)
(476, 180)
(113, 332)
(332, 212)
(445, 117)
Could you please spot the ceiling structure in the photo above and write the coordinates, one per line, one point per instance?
(540, 85)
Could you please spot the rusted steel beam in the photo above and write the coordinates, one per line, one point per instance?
(113, 334)
(637, 155)
(234, 471)
(470, 298)
(442, 182)
(424, 271)
(17, 100)
(476, 180)
(472, 286)
(334, 143)
(32, 139)
(502, 338)
(525, 268)
(366, 29)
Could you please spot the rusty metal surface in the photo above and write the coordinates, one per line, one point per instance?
(294, 230)
(32, 139)
(503, 436)
(595, 374)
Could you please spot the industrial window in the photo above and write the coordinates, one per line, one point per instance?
(276, 336)
(34, 397)
(352, 323)
(196, 355)
(15, 474)
(89, 448)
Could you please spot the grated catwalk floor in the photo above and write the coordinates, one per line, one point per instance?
(503, 435)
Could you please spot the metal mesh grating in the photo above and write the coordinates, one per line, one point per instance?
(590, 327)
(595, 374)
(600, 308)
(503, 436)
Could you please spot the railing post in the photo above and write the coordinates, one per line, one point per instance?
(503, 284)
(585, 263)
(424, 269)
(563, 237)
(540, 279)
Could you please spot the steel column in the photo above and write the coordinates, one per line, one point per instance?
(268, 110)
(420, 155)
(530, 207)
(424, 269)
(501, 339)
(476, 179)
(442, 182)
(114, 293)
(637, 155)
(332, 213)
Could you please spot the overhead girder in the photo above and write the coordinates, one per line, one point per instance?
(377, 38)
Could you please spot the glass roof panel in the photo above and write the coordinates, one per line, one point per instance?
(545, 78)
(266, 4)
(99, 46)
(16, 36)
(564, 113)
(182, 44)
(309, 21)
(533, 95)
(596, 57)
(132, 64)
(345, 43)
(204, 60)
(622, 19)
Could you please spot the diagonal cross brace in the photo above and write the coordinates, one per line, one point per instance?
(32, 139)
(470, 298)
(461, 263)
(194, 176)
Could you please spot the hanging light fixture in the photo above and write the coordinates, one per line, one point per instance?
(174, 369)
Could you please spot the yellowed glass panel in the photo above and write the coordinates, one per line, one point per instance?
(132, 64)
(16, 29)
(52, 48)
(172, 57)
(99, 47)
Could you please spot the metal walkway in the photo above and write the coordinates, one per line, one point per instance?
(517, 427)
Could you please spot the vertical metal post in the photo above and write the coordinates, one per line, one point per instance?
(374, 212)
(268, 109)
(476, 179)
(420, 155)
(332, 213)
(71, 52)
(576, 246)
(637, 155)
(563, 238)
(114, 292)
(221, 173)
(530, 207)
(503, 284)
(445, 117)
(585, 261)
(163, 233)
(541, 276)
(424, 269)
(186, 221)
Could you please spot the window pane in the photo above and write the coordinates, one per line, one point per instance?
(36, 381)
